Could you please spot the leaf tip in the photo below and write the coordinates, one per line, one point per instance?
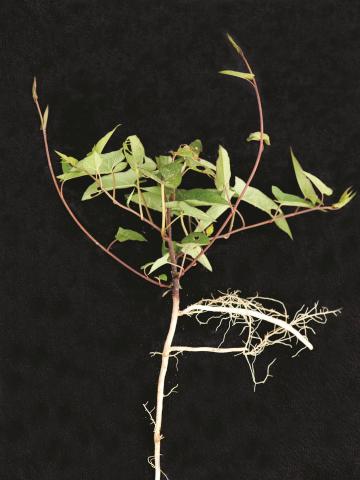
(345, 198)
(45, 118)
(257, 137)
(34, 90)
(234, 44)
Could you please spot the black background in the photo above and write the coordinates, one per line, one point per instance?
(77, 329)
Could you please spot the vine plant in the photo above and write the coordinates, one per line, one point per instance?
(188, 223)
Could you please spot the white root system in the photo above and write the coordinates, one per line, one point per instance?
(253, 315)
(262, 322)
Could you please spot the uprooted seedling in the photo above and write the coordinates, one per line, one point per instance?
(188, 223)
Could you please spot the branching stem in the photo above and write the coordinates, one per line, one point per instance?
(277, 217)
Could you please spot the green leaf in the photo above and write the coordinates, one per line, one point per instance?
(171, 174)
(94, 163)
(205, 262)
(243, 75)
(110, 161)
(254, 197)
(223, 170)
(100, 145)
(65, 158)
(201, 197)
(162, 277)
(150, 174)
(186, 152)
(319, 184)
(66, 167)
(288, 200)
(209, 230)
(284, 226)
(345, 198)
(189, 155)
(196, 146)
(207, 164)
(214, 212)
(97, 161)
(149, 164)
(201, 166)
(199, 238)
(134, 151)
(163, 160)
(159, 263)
(186, 209)
(258, 199)
(70, 175)
(151, 198)
(109, 182)
(303, 182)
(153, 189)
(125, 234)
(255, 136)
(193, 250)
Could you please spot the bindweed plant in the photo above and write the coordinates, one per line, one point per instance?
(188, 223)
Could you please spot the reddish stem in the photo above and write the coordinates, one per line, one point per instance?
(77, 221)
(249, 180)
(278, 217)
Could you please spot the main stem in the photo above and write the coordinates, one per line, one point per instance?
(162, 376)
(167, 348)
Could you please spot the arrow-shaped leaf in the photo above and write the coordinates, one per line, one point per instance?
(110, 182)
(258, 199)
(199, 238)
(319, 184)
(288, 200)
(303, 182)
(194, 250)
(243, 75)
(125, 234)
(159, 263)
(134, 151)
(223, 170)
(100, 145)
(189, 210)
(201, 197)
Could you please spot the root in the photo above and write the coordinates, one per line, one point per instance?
(173, 390)
(150, 413)
(252, 316)
(151, 462)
